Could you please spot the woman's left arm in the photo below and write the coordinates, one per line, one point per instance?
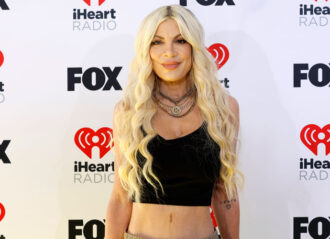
(227, 213)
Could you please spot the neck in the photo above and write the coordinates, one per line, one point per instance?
(174, 89)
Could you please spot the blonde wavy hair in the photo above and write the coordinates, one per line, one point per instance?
(137, 107)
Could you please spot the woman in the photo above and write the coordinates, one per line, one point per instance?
(168, 131)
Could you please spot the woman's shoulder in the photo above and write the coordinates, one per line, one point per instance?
(233, 104)
(234, 107)
(120, 106)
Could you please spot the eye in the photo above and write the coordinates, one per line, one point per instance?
(182, 41)
(156, 42)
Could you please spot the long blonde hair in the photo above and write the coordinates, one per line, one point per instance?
(137, 107)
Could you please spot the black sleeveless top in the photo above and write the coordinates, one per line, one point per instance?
(186, 166)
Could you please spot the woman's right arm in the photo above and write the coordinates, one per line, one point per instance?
(119, 207)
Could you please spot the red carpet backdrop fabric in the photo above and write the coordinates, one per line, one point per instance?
(64, 65)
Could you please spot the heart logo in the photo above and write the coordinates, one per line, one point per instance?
(2, 211)
(87, 138)
(88, 2)
(312, 135)
(220, 52)
(2, 58)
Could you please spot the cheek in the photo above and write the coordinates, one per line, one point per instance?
(186, 53)
(154, 59)
(188, 56)
(154, 54)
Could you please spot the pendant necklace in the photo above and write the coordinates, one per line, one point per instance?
(177, 109)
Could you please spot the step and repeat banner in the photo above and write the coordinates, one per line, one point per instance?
(64, 65)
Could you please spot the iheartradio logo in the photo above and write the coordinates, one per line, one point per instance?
(2, 211)
(88, 2)
(2, 58)
(220, 52)
(312, 135)
(87, 138)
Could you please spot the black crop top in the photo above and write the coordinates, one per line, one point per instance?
(186, 166)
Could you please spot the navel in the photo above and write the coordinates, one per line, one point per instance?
(171, 217)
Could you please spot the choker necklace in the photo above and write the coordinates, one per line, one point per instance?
(177, 109)
(176, 101)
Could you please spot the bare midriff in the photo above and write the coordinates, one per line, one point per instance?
(170, 221)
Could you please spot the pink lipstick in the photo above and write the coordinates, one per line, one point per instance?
(171, 65)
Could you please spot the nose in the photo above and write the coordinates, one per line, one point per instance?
(170, 50)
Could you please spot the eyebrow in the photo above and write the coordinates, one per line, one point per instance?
(163, 37)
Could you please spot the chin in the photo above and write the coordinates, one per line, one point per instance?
(171, 77)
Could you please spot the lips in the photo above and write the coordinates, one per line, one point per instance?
(171, 65)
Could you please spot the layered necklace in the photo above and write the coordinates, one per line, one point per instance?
(177, 109)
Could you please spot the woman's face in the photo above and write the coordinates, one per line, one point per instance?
(170, 53)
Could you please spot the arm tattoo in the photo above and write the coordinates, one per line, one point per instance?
(228, 203)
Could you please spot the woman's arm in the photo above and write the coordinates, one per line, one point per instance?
(118, 217)
(119, 208)
(227, 213)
